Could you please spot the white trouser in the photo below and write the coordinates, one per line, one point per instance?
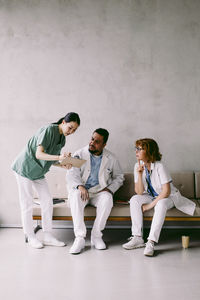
(160, 210)
(25, 187)
(103, 201)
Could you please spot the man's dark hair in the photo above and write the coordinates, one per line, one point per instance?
(103, 132)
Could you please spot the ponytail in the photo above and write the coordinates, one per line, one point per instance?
(59, 121)
(70, 117)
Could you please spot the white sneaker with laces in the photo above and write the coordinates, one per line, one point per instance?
(98, 243)
(78, 245)
(134, 243)
(149, 249)
(35, 243)
(50, 240)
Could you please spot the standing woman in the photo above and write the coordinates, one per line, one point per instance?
(154, 189)
(30, 166)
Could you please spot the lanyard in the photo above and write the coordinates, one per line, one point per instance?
(150, 188)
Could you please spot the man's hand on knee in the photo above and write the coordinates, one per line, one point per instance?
(84, 193)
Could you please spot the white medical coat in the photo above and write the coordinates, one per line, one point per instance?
(159, 176)
(110, 173)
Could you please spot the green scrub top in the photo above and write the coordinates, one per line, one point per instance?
(27, 165)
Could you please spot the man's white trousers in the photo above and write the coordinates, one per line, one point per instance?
(25, 187)
(160, 210)
(103, 201)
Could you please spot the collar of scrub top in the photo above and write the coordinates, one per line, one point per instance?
(98, 156)
(152, 166)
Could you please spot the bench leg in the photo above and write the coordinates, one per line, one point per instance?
(26, 238)
(36, 229)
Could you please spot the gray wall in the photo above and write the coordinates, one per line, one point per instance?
(130, 66)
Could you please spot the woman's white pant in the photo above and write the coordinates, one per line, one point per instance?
(25, 187)
(103, 202)
(160, 210)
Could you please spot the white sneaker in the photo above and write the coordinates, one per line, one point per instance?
(78, 245)
(50, 240)
(35, 243)
(98, 243)
(134, 243)
(149, 249)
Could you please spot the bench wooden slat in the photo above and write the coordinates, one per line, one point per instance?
(86, 218)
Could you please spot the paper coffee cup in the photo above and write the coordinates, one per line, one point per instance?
(185, 241)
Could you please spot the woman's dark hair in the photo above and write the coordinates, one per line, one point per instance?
(104, 133)
(70, 117)
(151, 147)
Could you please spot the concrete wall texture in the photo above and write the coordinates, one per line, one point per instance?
(131, 66)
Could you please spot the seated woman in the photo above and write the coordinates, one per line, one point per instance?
(154, 189)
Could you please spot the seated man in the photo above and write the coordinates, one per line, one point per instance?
(94, 183)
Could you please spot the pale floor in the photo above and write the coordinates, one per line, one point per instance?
(112, 274)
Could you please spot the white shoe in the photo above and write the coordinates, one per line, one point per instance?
(50, 240)
(149, 249)
(134, 243)
(78, 245)
(35, 243)
(98, 243)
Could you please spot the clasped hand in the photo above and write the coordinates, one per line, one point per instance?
(146, 207)
(85, 194)
(63, 156)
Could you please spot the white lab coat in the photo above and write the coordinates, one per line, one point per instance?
(110, 173)
(159, 176)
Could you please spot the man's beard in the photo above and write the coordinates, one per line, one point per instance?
(93, 151)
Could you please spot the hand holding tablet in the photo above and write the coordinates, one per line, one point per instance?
(75, 162)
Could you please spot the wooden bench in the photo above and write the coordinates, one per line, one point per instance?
(188, 184)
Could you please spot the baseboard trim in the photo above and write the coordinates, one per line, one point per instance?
(10, 226)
